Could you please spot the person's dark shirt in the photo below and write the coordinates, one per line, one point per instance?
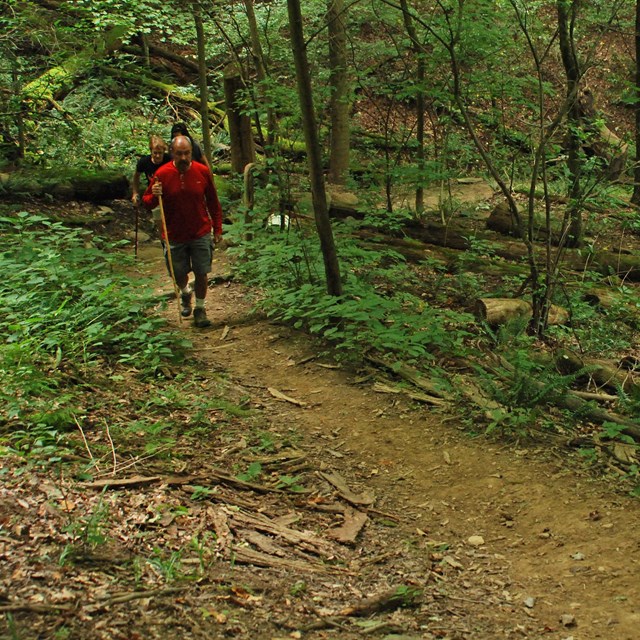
(146, 166)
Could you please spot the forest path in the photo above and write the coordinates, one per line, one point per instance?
(561, 552)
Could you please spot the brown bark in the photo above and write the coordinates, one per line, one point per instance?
(635, 198)
(261, 73)
(240, 133)
(323, 223)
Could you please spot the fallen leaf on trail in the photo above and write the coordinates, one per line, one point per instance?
(447, 457)
(452, 562)
(567, 620)
(476, 541)
(354, 521)
(67, 505)
(225, 332)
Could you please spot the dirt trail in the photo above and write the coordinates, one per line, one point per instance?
(561, 552)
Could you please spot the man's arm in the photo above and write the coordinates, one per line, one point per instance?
(150, 197)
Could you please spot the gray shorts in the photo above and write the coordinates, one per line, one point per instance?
(195, 256)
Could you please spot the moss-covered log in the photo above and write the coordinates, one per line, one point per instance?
(42, 91)
(94, 186)
(498, 311)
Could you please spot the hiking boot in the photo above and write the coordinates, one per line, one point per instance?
(200, 319)
(185, 301)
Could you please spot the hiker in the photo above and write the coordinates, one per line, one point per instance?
(191, 210)
(180, 129)
(148, 165)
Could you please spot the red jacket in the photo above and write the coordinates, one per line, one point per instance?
(190, 202)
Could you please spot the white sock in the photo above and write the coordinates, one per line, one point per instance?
(199, 303)
(186, 289)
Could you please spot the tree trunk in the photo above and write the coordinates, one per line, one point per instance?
(240, 133)
(323, 224)
(261, 72)
(22, 144)
(202, 82)
(340, 102)
(567, 11)
(635, 198)
(418, 49)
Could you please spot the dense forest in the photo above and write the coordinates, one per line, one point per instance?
(440, 195)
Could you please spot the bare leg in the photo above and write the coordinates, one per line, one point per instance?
(201, 285)
(182, 281)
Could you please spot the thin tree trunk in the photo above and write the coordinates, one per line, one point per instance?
(340, 103)
(635, 198)
(261, 71)
(15, 76)
(319, 196)
(202, 82)
(418, 49)
(567, 10)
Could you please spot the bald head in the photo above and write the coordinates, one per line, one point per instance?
(181, 152)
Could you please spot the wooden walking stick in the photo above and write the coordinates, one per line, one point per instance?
(169, 260)
(135, 245)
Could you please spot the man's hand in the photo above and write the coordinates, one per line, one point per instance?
(135, 198)
(156, 188)
(217, 238)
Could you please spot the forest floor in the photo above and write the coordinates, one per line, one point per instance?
(361, 513)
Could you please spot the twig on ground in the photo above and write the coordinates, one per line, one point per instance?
(113, 449)
(86, 444)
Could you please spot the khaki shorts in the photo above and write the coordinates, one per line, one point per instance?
(195, 256)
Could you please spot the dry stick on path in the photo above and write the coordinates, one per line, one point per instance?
(86, 444)
(113, 449)
(169, 260)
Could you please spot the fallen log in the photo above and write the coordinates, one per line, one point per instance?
(623, 264)
(572, 402)
(603, 374)
(58, 80)
(499, 311)
(94, 186)
(501, 221)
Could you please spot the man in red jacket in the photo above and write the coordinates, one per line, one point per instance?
(192, 210)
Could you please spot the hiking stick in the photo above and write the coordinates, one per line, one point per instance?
(169, 260)
(135, 242)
